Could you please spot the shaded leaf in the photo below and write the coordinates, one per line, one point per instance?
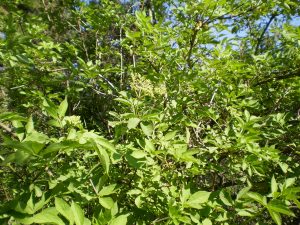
(62, 109)
(279, 206)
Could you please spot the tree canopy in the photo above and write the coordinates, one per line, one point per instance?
(149, 112)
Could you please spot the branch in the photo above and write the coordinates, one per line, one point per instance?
(196, 29)
(151, 64)
(280, 77)
(263, 33)
(8, 130)
(227, 16)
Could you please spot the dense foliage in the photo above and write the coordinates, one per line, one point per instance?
(149, 112)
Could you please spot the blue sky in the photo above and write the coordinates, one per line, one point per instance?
(226, 34)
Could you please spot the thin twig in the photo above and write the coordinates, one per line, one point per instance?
(17, 87)
(107, 81)
(159, 220)
(94, 188)
(56, 70)
(121, 60)
(214, 94)
(49, 171)
(82, 39)
(76, 106)
(46, 9)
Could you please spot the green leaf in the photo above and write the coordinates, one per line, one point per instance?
(48, 215)
(103, 156)
(54, 123)
(149, 146)
(29, 126)
(188, 156)
(257, 197)
(284, 167)
(18, 157)
(123, 101)
(86, 221)
(138, 154)
(147, 129)
(38, 191)
(28, 147)
(245, 213)
(169, 135)
(276, 217)
(19, 129)
(280, 207)
(247, 115)
(132, 123)
(64, 209)
(77, 213)
(62, 109)
(106, 202)
(12, 116)
(62, 146)
(274, 186)
(50, 108)
(105, 143)
(206, 222)
(120, 220)
(225, 198)
(26, 220)
(35, 136)
(242, 192)
(107, 190)
(289, 182)
(198, 198)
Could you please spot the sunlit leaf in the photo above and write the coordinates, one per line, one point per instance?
(120, 220)
(198, 198)
(276, 217)
(132, 123)
(106, 202)
(107, 190)
(63, 208)
(77, 213)
(48, 215)
(279, 206)
(62, 109)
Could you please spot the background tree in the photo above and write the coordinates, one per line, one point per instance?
(149, 112)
